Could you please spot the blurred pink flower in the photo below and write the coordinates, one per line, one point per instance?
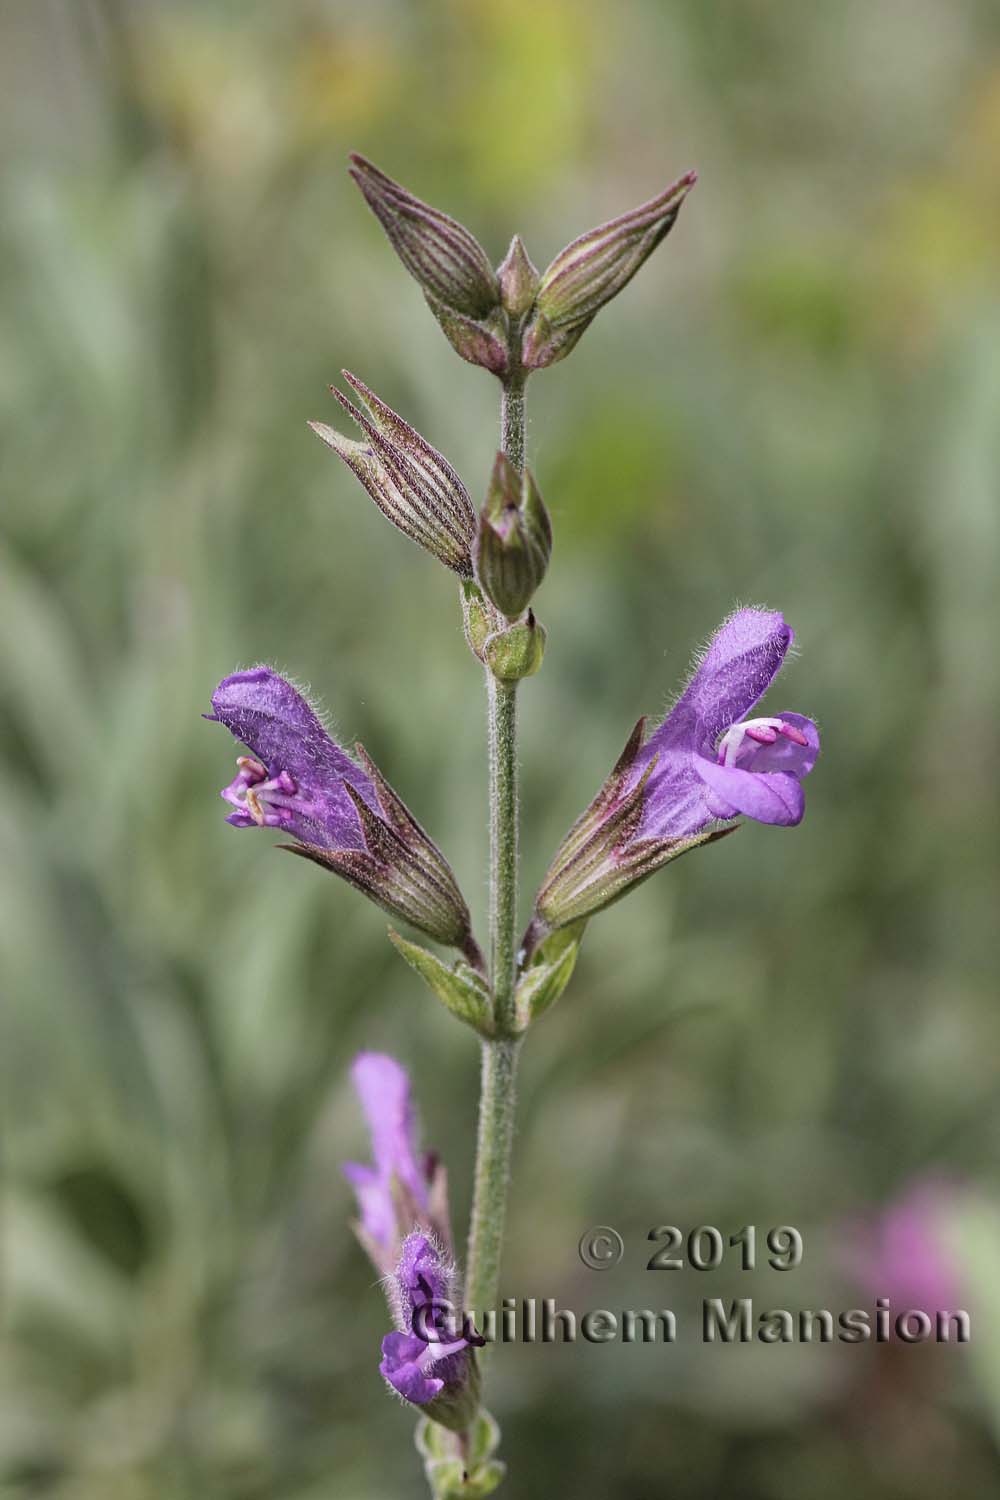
(903, 1254)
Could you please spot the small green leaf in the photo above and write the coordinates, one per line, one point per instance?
(451, 1478)
(479, 619)
(446, 1478)
(485, 1438)
(461, 989)
(548, 974)
(555, 943)
(449, 1481)
(476, 1483)
(432, 1441)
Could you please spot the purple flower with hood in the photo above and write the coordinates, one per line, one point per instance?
(342, 815)
(405, 1187)
(706, 762)
(430, 1361)
(404, 1227)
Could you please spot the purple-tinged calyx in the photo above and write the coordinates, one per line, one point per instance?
(342, 815)
(412, 484)
(593, 269)
(431, 1360)
(448, 263)
(404, 1188)
(706, 763)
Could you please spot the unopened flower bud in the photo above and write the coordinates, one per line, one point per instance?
(514, 539)
(518, 279)
(517, 651)
(593, 269)
(412, 484)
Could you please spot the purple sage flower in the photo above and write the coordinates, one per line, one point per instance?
(706, 762)
(707, 759)
(430, 1360)
(342, 815)
(405, 1187)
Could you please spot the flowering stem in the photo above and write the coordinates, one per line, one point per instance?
(496, 1135)
(502, 709)
(500, 1054)
(512, 423)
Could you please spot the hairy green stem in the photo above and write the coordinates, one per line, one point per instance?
(489, 1206)
(502, 701)
(512, 421)
(496, 1102)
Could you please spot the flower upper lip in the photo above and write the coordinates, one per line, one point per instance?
(306, 772)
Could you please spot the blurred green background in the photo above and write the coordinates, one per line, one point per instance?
(795, 403)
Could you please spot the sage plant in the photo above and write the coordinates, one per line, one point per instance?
(679, 787)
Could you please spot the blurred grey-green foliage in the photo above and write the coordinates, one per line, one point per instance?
(795, 403)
